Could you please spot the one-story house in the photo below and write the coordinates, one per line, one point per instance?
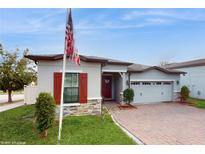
(194, 78)
(100, 79)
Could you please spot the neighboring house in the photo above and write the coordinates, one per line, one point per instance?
(195, 77)
(98, 79)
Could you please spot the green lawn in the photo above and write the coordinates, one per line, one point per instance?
(199, 103)
(16, 127)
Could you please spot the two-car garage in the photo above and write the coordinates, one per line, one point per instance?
(152, 91)
(153, 84)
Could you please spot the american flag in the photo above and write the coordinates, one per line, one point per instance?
(69, 40)
(73, 56)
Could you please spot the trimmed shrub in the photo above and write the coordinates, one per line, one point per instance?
(128, 95)
(44, 113)
(184, 93)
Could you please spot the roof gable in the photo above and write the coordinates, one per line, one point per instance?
(137, 68)
(192, 63)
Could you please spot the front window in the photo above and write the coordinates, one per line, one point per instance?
(71, 88)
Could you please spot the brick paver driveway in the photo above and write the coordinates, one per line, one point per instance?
(163, 123)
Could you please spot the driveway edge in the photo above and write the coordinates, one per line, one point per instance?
(125, 130)
(137, 140)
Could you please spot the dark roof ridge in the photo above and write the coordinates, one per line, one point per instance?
(190, 63)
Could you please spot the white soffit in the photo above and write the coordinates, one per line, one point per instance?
(73, 71)
(106, 70)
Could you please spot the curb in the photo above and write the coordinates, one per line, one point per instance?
(125, 130)
(137, 140)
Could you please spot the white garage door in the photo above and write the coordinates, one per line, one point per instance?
(151, 92)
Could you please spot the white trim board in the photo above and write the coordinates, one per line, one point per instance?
(71, 104)
(72, 71)
(93, 98)
(104, 70)
(78, 104)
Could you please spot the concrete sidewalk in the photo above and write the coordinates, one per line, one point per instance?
(15, 97)
(11, 106)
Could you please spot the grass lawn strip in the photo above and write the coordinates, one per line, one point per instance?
(16, 127)
(199, 103)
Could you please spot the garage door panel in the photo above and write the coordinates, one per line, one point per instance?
(152, 93)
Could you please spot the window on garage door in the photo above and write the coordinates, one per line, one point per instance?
(146, 83)
(158, 83)
(166, 83)
(135, 83)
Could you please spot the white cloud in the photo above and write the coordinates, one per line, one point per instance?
(34, 25)
(158, 20)
(47, 23)
(110, 24)
(191, 14)
(134, 14)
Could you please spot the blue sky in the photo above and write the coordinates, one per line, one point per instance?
(145, 36)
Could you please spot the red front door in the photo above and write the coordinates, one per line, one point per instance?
(107, 87)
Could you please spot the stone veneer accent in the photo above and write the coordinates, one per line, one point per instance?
(92, 107)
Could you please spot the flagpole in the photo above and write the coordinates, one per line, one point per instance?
(62, 89)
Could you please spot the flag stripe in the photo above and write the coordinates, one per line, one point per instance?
(69, 40)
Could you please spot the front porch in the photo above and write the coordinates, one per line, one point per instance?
(112, 86)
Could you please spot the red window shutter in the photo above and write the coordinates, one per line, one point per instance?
(57, 86)
(83, 86)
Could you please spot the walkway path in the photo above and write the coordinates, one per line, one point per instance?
(15, 97)
(11, 106)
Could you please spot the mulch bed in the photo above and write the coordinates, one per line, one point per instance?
(184, 103)
(126, 107)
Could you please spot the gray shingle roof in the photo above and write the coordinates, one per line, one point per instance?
(138, 68)
(82, 57)
(192, 63)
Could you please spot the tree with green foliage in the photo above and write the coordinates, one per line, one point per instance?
(128, 95)
(15, 71)
(184, 93)
(44, 113)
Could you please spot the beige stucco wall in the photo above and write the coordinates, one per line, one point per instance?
(47, 68)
